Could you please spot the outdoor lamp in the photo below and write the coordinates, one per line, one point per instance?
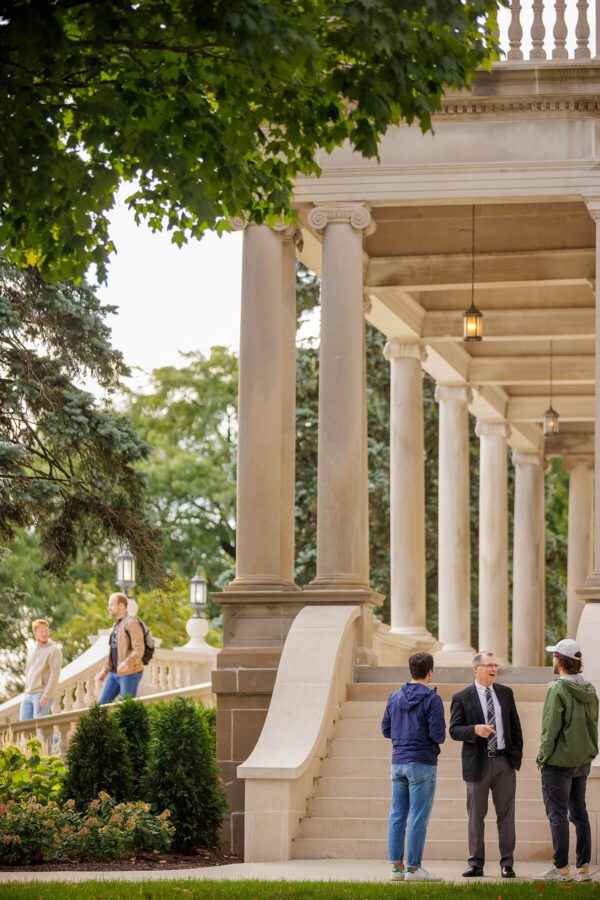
(472, 318)
(198, 593)
(550, 417)
(125, 571)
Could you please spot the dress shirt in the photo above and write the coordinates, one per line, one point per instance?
(497, 711)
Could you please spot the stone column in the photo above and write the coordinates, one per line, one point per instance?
(493, 538)
(593, 580)
(580, 553)
(266, 416)
(454, 562)
(529, 548)
(407, 490)
(342, 527)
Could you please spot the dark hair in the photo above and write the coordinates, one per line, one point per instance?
(569, 665)
(420, 664)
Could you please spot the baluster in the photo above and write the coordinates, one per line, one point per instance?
(538, 31)
(64, 737)
(515, 31)
(582, 30)
(91, 691)
(560, 31)
(45, 734)
(67, 700)
(79, 695)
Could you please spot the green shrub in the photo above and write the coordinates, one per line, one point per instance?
(133, 719)
(97, 760)
(31, 832)
(209, 714)
(183, 776)
(25, 776)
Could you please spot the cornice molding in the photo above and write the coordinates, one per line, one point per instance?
(543, 104)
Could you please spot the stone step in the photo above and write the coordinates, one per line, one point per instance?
(438, 829)
(380, 766)
(380, 747)
(511, 675)
(374, 709)
(371, 728)
(378, 807)
(452, 788)
(524, 693)
(376, 848)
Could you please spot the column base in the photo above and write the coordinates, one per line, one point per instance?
(454, 655)
(260, 583)
(418, 635)
(341, 582)
(592, 587)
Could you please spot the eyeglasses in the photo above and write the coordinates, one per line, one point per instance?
(488, 665)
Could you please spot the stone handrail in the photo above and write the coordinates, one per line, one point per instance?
(566, 30)
(55, 731)
(315, 668)
(169, 670)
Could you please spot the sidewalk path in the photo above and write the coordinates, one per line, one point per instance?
(294, 870)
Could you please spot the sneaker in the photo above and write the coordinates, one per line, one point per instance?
(397, 874)
(554, 874)
(582, 874)
(420, 874)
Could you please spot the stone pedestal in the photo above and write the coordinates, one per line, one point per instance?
(454, 576)
(493, 539)
(580, 554)
(407, 492)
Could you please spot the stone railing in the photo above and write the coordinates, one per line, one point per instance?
(549, 30)
(55, 731)
(169, 670)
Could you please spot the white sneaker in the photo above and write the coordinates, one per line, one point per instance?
(582, 874)
(397, 874)
(420, 874)
(554, 874)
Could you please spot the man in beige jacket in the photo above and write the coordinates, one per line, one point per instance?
(124, 668)
(42, 670)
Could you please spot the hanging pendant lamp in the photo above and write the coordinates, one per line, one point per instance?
(472, 317)
(550, 417)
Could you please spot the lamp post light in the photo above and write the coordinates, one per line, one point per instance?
(472, 317)
(198, 593)
(125, 571)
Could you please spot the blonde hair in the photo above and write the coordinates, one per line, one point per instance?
(120, 598)
(35, 624)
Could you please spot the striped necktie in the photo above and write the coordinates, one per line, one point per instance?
(492, 741)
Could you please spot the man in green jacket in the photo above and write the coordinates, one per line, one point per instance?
(569, 743)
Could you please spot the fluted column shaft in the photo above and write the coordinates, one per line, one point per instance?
(528, 561)
(407, 489)
(266, 415)
(342, 523)
(454, 591)
(580, 552)
(493, 538)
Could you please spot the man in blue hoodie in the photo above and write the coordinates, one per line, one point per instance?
(414, 721)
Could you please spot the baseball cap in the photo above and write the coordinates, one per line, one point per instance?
(566, 647)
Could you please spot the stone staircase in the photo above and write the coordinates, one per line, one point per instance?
(347, 815)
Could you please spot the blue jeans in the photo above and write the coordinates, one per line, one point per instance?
(31, 709)
(119, 685)
(413, 791)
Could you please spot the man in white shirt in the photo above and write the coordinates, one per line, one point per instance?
(42, 670)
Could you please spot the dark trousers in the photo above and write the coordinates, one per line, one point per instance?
(500, 778)
(563, 790)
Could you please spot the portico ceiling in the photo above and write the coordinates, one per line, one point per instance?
(534, 282)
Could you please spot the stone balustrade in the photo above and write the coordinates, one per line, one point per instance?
(55, 731)
(541, 30)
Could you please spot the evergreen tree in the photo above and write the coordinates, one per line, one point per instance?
(133, 718)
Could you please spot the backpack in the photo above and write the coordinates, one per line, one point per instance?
(148, 639)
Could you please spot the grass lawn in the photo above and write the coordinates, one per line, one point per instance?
(298, 890)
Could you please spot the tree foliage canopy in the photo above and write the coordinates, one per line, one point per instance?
(210, 108)
(67, 466)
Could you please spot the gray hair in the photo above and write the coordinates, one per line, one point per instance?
(478, 658)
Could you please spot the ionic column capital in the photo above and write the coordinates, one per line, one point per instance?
(453, 393)
(396, 348)
(528, 458)
(287, 231)
(571, 462)
(496, 429)
(357, 215)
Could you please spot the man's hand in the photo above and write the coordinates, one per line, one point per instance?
(43, 701)
(101, 677)
(484, 731)
(121, 669)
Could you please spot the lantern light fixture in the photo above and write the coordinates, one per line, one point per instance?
(550, 418)
(472, 317)
(125, 577)
(198, 593)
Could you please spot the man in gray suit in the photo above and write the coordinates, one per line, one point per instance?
(485, 718)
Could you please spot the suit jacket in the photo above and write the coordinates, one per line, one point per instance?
(466, 712)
